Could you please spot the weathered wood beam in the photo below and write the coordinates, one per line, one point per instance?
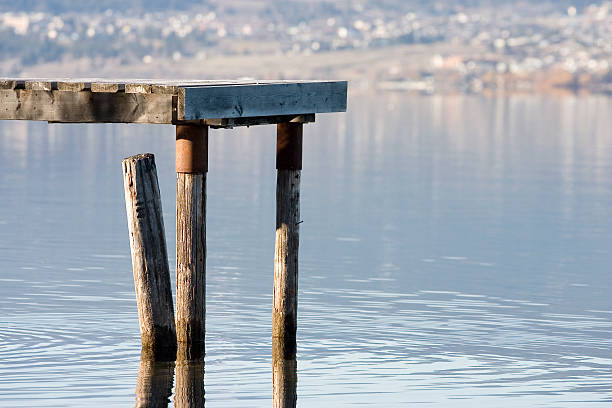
(191, 168)
(38, 85)
(289, 165)
(218, 104)
(8, 83)
(107, 87)
(149, 257)
(235, 101)
(137, 88)
(85, 107)
(71, 86)
(229, 123)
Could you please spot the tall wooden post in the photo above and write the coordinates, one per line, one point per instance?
(191, 169)
(289, 165)
(149, 257)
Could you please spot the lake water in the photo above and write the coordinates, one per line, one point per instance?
(455, 252)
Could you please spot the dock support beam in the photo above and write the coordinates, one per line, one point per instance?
(149, 257)
(191, 169)
(284, 317)
(289, 165)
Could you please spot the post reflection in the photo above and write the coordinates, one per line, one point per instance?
(155, 379)
(284, 373)
(189, 391)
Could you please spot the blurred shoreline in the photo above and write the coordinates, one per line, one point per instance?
(454, 47)
(402, 68)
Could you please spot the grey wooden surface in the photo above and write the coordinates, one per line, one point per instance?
(289, 138)
(190, 264)
(191, 167)
(220, 103)
(284, 313)
(238, 101)
(149, 257)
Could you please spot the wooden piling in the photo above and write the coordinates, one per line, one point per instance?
(289, 165)
(149, 257)
(284, 374)
(155, 380)
(191, 168)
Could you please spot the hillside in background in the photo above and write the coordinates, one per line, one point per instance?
(142, 6)
(472, 46)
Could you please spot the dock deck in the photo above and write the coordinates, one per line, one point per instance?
(217, 103)
(193, 107)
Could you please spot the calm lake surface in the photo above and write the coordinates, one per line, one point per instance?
(455, 252)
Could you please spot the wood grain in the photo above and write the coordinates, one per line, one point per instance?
(289, 163)
(191, 263)
(284, 318)
(234, 101)
(107, 87)
(38, 85)
(149, 257)
(137, 88)
(85, 107)
(72, 86)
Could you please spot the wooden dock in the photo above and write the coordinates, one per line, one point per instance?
(193, 106)
(214, 103)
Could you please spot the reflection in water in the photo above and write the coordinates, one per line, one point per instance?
(284, 373)
(154, 383)
(155, 380)
(189, 392)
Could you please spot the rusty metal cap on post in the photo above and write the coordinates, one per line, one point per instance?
(191, 149)
(289, 146)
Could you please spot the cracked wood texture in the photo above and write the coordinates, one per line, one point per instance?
(192, 144)
(284, 320)
(288, 160)
(149, 257)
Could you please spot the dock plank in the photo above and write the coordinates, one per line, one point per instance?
(73, 86)
(235, 101)
(39, 85)
(107, 87)
(85, 107)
